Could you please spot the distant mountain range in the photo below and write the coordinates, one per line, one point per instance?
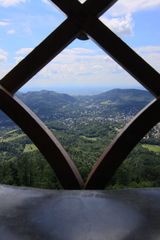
(49, 105)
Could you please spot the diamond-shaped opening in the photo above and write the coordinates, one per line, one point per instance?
(22, 27)
(136, 22)
(142, 166)
(21, 163)
(85, 98)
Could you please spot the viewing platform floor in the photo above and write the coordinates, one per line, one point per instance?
(36, 214)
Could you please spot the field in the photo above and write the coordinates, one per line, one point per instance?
(152, 148)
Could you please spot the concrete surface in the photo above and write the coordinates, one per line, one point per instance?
(33, 214)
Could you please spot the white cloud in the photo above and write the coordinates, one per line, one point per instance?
(123, 7)
(21, 53)
(90, 67)
(8, 3)
(120, 25)
(48, 2)
(11, 31)
(3, 55)
(4, 23)
(77, 67)
(151, 54)
(119, 17)
(149, 49)
(55, 8)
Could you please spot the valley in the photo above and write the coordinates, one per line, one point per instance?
(84, 125)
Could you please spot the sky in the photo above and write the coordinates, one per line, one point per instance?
(82, 65)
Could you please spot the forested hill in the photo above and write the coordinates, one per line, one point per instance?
(125, 96)
(127, 101)
(49, 105)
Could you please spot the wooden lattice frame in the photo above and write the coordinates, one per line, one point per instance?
(83, 23)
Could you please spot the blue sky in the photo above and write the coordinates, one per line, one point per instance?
(25, 23)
